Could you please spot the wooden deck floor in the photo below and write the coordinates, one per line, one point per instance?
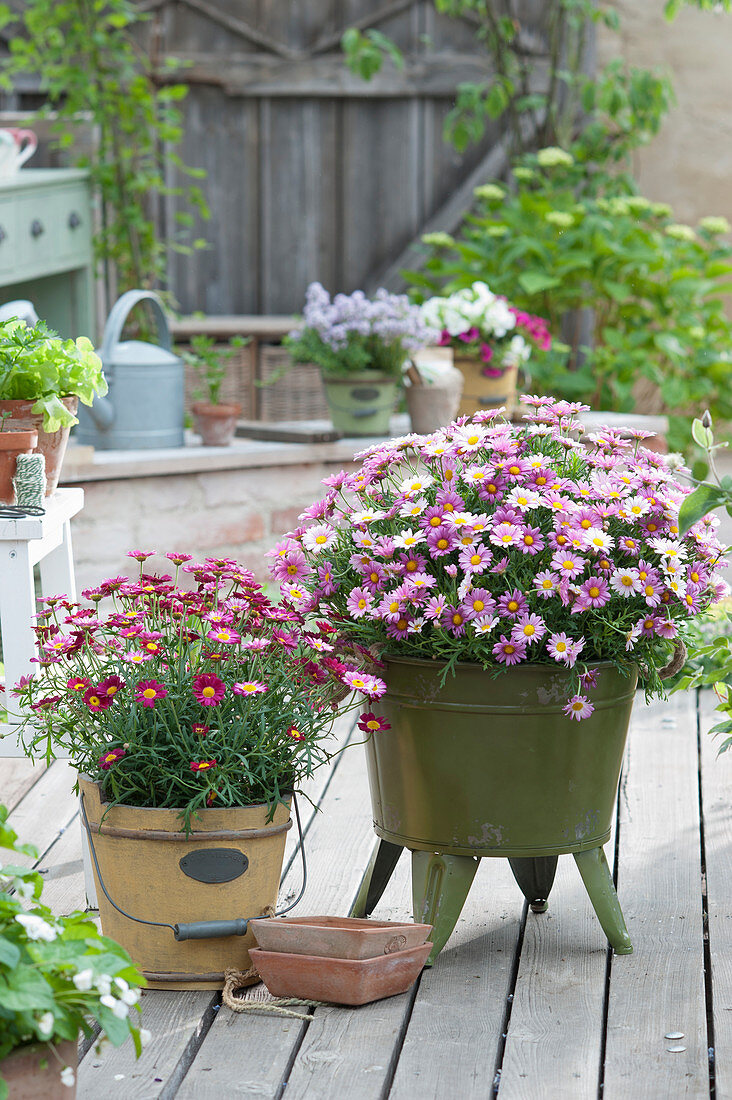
(518, 1005)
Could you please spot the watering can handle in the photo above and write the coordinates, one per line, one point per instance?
(119, 314)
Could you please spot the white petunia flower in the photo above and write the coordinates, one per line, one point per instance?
(36, 927)
(45, 1024)
(83, 980)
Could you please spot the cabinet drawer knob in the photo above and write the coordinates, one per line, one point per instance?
(74, 220)
(37, 228)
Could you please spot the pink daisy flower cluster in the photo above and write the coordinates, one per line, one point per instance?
(132, 690)
(504, 544)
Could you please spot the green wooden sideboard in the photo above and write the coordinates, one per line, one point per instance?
(46, 247)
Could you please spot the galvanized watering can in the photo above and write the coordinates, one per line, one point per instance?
(144, 407)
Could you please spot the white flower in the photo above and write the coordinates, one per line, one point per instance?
(45, 1024)
(417, 483)
(129, 996)
(36, 927)
(68, 1077)
(24, 889)
(104, 984)
(83, 980)
(145, 1036)
(408, 537)
(119, 1008)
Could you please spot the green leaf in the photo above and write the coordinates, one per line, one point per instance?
(697, 504)
(701, 435)
(534, 282)
(26, 991)
(9, 953)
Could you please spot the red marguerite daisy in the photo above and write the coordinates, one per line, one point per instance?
(202, 765)
(200, 729)
(78, 684)
(112, 685)
(370, 723)
(148, 692)
(208, 689)
(97, 699)
(108, 758)
(295, 734)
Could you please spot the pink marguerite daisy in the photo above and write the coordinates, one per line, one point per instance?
(208, 689)
(578, 707)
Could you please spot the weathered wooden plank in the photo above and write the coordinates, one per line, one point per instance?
(63, 871)
(298, 199)
(224, 278)
(177, 1022)
(17, 776)
(46, 810)
(718, 844)
(338, 846)
(454, 1034)
(555, 1036)
(379, 200)
(253, 75)
(350, 1052)
(660, 987)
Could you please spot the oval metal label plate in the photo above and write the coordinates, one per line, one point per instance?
(214, 864)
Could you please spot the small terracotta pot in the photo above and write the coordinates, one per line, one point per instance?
(339, 981)
(33, 1072)
(52, 445)
(12, 444)
(215, 424)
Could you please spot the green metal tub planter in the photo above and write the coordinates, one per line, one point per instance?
(488, 765)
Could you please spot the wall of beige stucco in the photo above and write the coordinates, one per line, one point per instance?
(689, 164)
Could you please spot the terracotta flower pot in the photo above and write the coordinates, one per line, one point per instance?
(215, 424)
(33, 1072)
(52, 445)
(227, 868)
(12, 444)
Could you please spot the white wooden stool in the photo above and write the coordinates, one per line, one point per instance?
(24, 542)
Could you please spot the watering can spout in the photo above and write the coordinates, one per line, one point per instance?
(102, 412)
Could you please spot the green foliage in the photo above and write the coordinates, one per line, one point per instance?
(709, 642)
(36, 364)
(364, 53)
(610, 113)
(92, 66)
(210, 361)
(57, 974)
(707, 495)
(556, 245)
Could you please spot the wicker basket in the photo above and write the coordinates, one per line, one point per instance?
(238, 385)
(288, 391)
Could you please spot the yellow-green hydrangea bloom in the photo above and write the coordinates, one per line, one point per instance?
(438, 239)
(680, 232)
(490, 192)
(715, 224)
(553, 156)
(560, 219)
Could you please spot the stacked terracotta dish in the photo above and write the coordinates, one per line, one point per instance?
(343, 960)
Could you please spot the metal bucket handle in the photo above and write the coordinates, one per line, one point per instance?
(119, 314)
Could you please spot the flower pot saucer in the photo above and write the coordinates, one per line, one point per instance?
(338, 937)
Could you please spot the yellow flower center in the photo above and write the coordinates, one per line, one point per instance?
(149, 693)
(594, 592)
(372, 724)
(512, 605)
(208, 692)
(478, 605)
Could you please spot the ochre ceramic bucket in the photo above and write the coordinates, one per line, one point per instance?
(483, 392)
(154, 872)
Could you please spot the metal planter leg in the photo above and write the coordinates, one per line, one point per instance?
(599, 885)
(440, 885)
(535, 876)
(381, 866)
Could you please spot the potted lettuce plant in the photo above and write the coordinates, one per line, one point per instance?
(42, 379)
